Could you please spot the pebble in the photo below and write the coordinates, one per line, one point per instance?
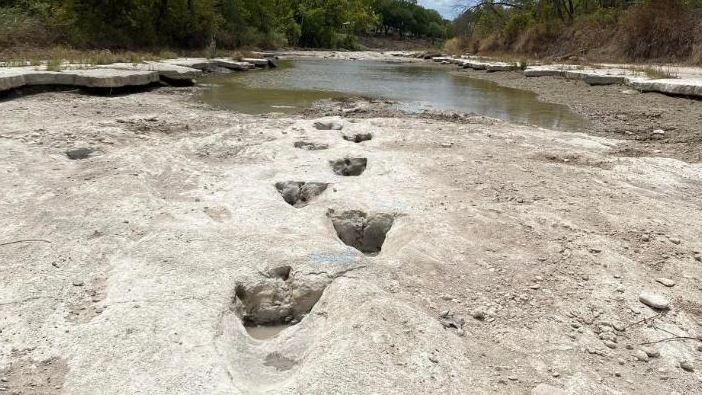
(674, 240)
(479, 314)
(652, 353)
(687, 366)
(610, 344)
(666, 281)
(641, 356)
(698, 258)
(654, 301)
(78, 283)
(659, 132)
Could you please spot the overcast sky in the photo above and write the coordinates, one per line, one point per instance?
(445, 7)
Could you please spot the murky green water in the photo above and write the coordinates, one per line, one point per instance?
(297, 84)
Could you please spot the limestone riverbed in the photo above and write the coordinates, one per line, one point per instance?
(448, 253)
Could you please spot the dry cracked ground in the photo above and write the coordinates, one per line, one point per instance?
(141, 234)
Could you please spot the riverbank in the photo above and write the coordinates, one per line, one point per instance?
(651, 124)
(147, 229)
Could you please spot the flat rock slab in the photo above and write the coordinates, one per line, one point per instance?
(691, 87)
(677, 87)
(600, 76)
(483, 65)
(11, 78)
(209, 64)
(87, 78)
(113, 78)
(259, 62)
(165, 70)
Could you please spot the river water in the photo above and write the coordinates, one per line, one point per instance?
(296, 84)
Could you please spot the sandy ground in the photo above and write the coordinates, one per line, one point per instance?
(618, 112)
(515, 262)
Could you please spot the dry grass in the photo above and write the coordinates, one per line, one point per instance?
(659, 29)
(240, 54)
(658, 72)
(37, 56)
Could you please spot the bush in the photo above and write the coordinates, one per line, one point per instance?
(517, 23)
(454, 46)
(17, 29)
(658, 29)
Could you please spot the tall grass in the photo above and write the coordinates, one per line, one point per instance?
(658, 72)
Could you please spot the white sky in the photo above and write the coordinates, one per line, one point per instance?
(445, 7)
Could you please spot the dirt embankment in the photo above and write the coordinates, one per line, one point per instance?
(404, 254)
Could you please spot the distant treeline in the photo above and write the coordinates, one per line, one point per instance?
(137, 24)
(613, 29)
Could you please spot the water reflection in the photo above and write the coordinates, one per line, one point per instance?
(297, 84)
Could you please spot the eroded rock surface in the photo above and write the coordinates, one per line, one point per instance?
(364, 232)
(358, 137)
(349, 166)
(80, 153)
(310, 146)
(282, 298)
(300, 194)
(509, 269)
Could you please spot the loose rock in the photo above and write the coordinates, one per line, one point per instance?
(666, 281)
(687, 366)
(80, 153)
(641, 356)
(654, 301)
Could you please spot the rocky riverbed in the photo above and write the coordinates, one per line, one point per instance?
(435, 253)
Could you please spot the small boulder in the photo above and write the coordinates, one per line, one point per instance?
(687, 366)
(80, 153)
(654, 301)
(642, 356)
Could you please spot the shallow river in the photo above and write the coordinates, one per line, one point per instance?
(296, 84)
